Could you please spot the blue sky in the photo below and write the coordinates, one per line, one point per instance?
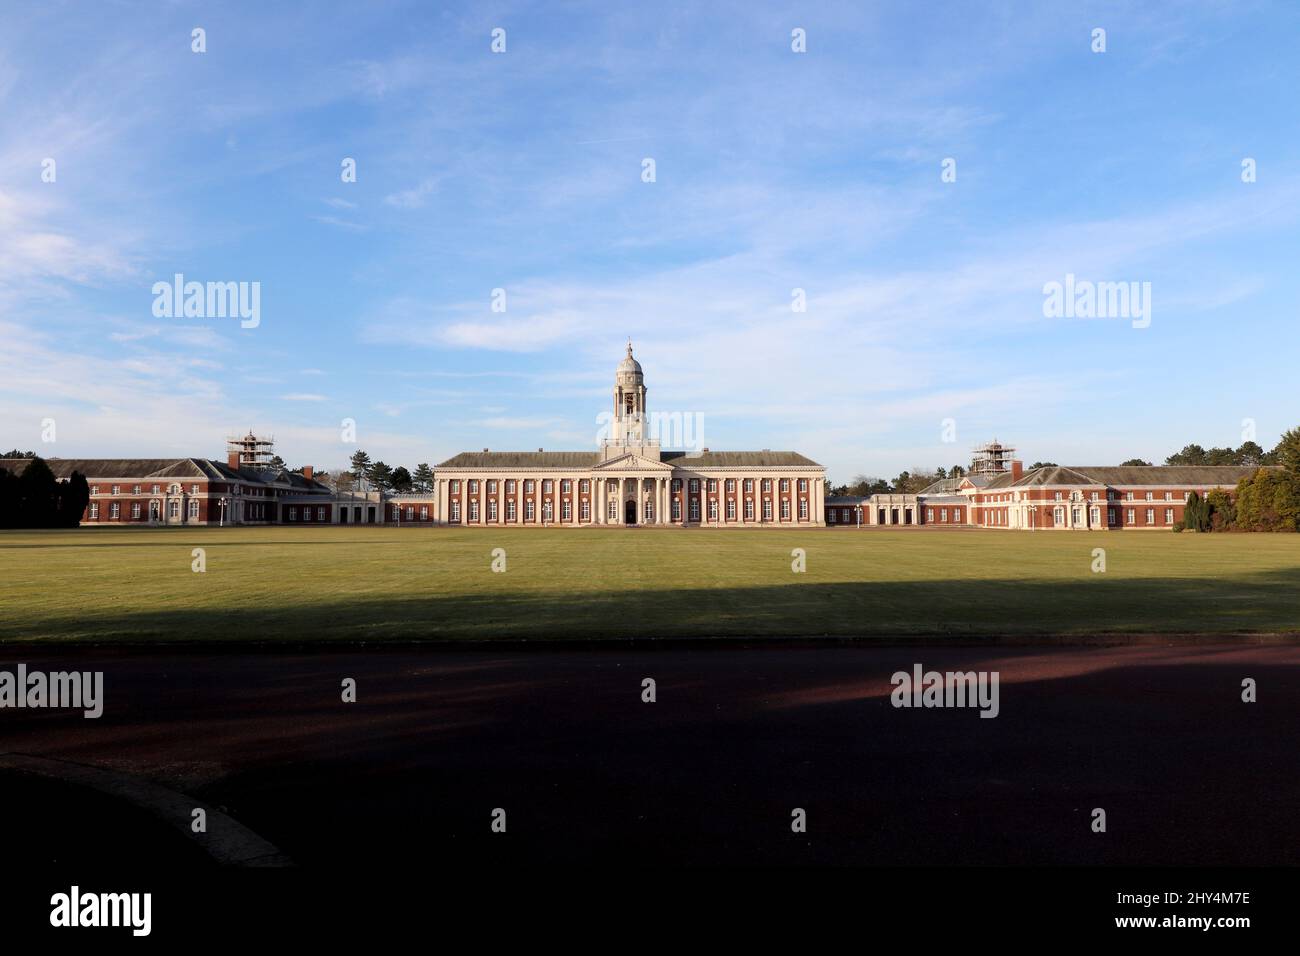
(774, 171)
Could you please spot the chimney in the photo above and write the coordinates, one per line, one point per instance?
(308, 471)
(232, 460)
(1017, 468)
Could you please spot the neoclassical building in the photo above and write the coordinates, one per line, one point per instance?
(628, 480)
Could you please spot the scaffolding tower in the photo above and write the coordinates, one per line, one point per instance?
(991, 458)
(255, 453)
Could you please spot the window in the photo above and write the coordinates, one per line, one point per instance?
(528, 487)
(612, 511)
(473, 510)
(566, 509)
(155, 490)
(1076, 516)
(1128, 516)
(695, 485)
(713, 485)
(511, 511)
(293, 513)
(649, 512)
(1128, 496)
(94, 489)
(454, 486)
(194, 509)
(136, 491)
(1169, 496)
(731, 509)
(1056, 496)
(749, 485)
(547, 510)
(1150, 497)
(173, 509)
(472, 487)
(803, 508)
(194, 489)
(94, 509)
(424, 512)
(785, 485)
(767, 509)
(1095, 516)
(306, 513)
(1093, 496)
(454, 511)
(713, 509)
(785, 509)
(530, 510)
(1151, 516)
(546, 486)
(767, 485)
(410, 512)
(803, 485)
(677, 484)
(397, 513)
(135, 511)
(731, 485)
(492, 509)
(1111, 516)
(1058, 517)
(584, 487)
(749, 509)
(510, 486)
(677, 509)
(695, 509)
(943, 515)
(584, 512)
(117, 489)
(929, 515)
(1169, 516)
(830, 515)
(491, 486)
(566, 486)
(114, 510)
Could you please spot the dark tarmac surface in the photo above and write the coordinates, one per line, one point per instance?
(709, 774)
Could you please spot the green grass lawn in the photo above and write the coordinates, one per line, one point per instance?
(410, 584)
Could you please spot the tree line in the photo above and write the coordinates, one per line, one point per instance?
(1268, 500)
(378, 476)
(34, 498)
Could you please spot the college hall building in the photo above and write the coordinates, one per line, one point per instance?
(629, 480)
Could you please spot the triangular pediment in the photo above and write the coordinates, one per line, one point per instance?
(630, 462)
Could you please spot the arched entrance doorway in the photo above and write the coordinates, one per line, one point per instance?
(629, 512)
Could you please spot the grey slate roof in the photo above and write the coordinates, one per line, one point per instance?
(1138, 475)
(739, 459)
(162, 469)
(590, 459)
(522, 459)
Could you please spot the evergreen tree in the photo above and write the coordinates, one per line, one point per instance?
(422, 480)
(401, 480)
(360, 466)
(381, 476)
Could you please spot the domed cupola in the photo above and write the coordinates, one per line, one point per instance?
(629, 370)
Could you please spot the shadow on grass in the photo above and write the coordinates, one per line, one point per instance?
(1266, 602)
